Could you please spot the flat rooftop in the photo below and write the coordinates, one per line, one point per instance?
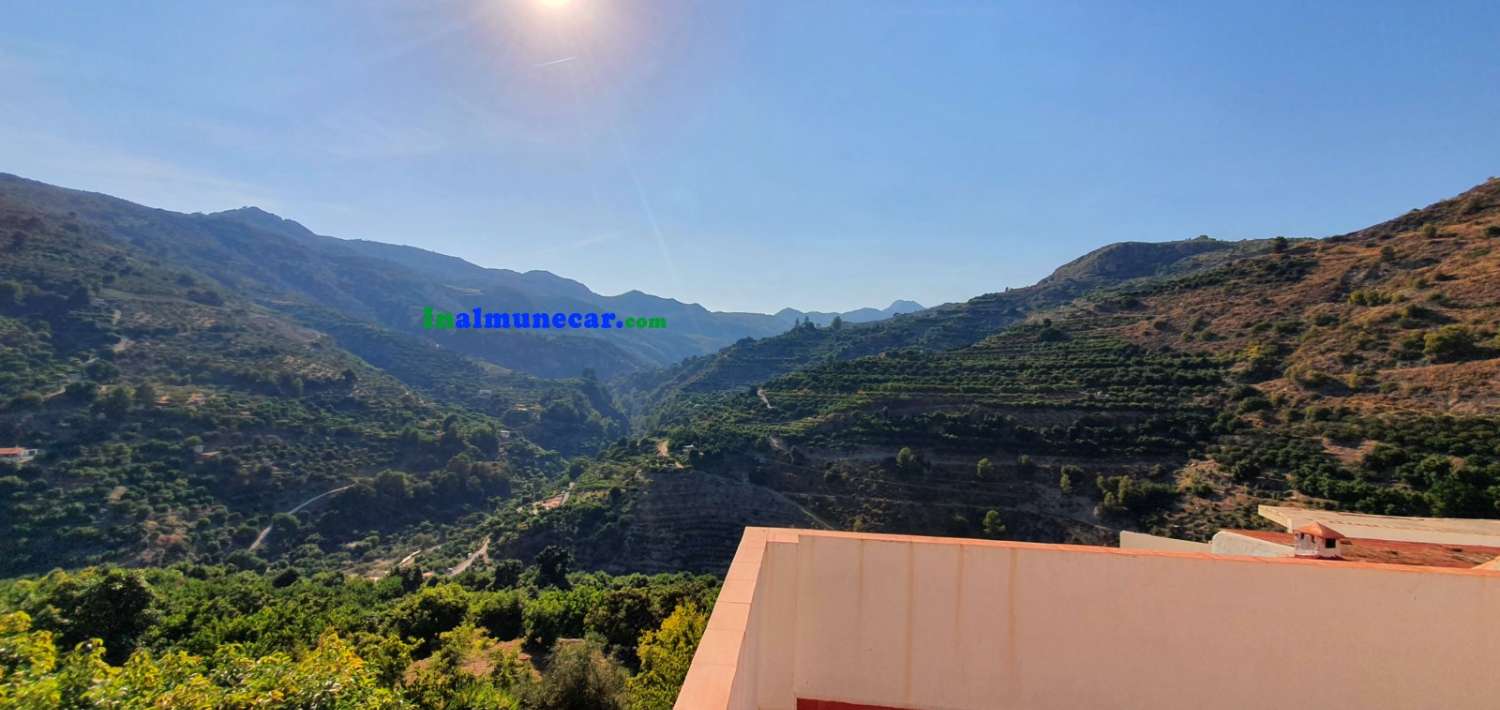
(1425, 554)
(1390, 527)
(815, 619)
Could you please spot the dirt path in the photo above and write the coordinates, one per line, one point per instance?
(267, 531)
(761, 392)
(408, 558)
(482, 552)
(811, 515)
(75, 377)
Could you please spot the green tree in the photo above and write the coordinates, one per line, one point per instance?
(621, 616)
(984, 469)
(992, 525)
(906, 460)
(507, 573)
(110, 604)
(85, 392)
(501, 613)
(665, 656)
(431, 611)
(1462, 492)
(392, 485)
(101, 371)
(116, 402)
(1279, 245)
(145, 394)
(552, 565)
(545, 619)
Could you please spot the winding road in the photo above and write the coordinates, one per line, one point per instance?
(267, 531)
(482, 552)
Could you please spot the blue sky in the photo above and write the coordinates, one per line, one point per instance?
(750, 156)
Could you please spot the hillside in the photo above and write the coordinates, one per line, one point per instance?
(177, 418)
(1357, 371)
(751, 362)
(277, 262)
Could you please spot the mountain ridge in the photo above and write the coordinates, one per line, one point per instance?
(443, 265)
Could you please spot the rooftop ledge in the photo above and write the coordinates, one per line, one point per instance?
(832, 619)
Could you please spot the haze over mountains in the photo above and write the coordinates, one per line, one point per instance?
(325, 279)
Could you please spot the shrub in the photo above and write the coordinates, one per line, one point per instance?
(1447, 344)
(1369, 297)
(578, 676)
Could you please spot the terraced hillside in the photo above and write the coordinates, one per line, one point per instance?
(750, 362)
(1356, 372)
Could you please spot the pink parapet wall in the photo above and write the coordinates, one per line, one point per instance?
(890, 621)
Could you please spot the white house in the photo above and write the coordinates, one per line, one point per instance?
(16, 454)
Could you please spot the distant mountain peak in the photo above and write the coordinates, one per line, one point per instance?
(257, 217)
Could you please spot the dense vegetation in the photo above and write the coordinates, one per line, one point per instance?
(179, 421)
(211, 637)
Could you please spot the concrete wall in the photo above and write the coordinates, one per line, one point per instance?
(965, 624)
(1141, 541)
(1232, 543)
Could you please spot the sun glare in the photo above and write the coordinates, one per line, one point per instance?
(555, 4)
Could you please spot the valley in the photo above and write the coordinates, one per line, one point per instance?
(273, 424)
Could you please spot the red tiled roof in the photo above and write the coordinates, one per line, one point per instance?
(1321, 530)
(11, 451)
(1424, 554)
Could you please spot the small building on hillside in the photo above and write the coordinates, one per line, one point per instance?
(18, 455)
(1317, 540)
(1349, 537)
